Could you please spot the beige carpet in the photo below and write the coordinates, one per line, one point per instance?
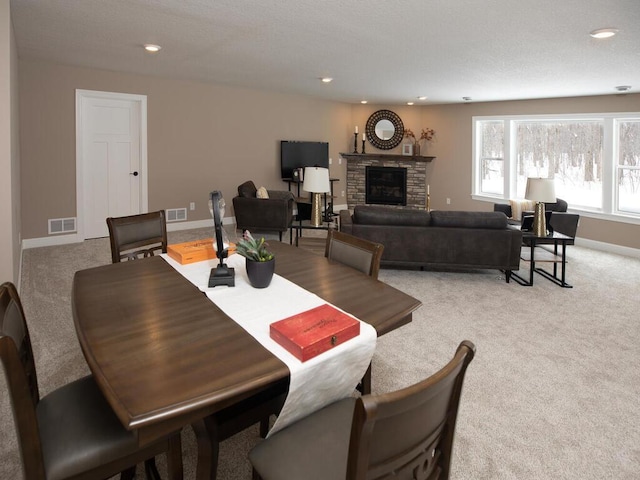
(552, 393)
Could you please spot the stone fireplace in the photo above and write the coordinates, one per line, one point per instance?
(416, 177)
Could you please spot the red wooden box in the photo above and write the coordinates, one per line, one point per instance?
(314, 331)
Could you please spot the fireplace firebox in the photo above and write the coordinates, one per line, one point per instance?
(386, 185)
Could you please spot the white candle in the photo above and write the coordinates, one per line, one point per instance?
(356, 129)
(363, 137)
(427, 189)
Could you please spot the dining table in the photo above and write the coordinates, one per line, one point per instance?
(165, 356)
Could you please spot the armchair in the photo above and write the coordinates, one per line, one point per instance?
(274, 213)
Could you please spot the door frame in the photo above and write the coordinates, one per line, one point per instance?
(81, 96)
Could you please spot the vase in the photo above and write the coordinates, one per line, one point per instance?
(260, 273)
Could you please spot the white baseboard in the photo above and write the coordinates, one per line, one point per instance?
(53, 240)
(608, 247)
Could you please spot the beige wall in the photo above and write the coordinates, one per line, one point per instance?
(200, 137)
(204, 136)
(9, 151)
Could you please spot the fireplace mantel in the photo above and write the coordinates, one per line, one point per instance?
(385, 156)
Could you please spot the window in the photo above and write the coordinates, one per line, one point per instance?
(594, 159)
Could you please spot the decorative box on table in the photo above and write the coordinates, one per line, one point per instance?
(194, 251)
(312, 332)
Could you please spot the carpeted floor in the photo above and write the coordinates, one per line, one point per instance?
(551, 394)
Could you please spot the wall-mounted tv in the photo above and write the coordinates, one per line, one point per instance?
(302, 154)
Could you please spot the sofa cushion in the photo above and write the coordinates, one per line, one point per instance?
(370, 215)
(247, 190)
(446, 218)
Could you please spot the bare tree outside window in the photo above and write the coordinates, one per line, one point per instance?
(628, 168)
(570, 152)
(492, 157)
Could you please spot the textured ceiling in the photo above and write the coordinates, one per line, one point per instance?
(384, 51)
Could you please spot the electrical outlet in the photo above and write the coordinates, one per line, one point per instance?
(339, 160)
(330, 160)
(448, 201)
(343, 193)
(192, 206)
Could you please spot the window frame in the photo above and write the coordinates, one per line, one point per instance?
(610, 155)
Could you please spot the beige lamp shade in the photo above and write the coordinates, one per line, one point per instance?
(316, 180)
(540, 190)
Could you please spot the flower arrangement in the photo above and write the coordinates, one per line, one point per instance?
(426, 134)
(253, 249)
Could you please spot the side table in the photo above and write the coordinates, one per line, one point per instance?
(298, 226)
(531, 252)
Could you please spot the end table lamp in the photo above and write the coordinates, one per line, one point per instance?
(316, 181)
(540, 190)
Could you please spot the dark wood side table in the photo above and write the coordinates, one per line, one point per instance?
(533, 253)
(306, 225)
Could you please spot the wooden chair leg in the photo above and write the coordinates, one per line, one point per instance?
(208, 448)
(365, 384)
(151, 470)
(174, 458)
(128, 474)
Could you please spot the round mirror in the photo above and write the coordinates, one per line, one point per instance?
(384, 129)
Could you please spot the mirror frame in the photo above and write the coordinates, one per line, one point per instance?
(376, 141)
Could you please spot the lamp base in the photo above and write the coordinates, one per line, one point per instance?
(222, 275)
(540, 221)
(316, 210)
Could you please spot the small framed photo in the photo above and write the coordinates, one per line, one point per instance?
(407, 149)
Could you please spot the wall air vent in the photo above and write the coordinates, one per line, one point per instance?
(176, 214)
(62, 225)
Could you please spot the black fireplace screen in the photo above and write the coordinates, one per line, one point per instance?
(386, 185)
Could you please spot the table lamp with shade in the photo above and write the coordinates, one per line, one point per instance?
(316, 181)
(541, 191)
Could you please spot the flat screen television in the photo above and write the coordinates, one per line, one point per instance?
(302, 154)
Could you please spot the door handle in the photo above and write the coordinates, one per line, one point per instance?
(135, 174)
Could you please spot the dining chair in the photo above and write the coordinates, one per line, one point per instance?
(136, 236)
(364, 256)
(406, 434)
(72, 432)
(358, 253)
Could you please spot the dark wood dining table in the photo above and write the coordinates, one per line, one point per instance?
(165, 356)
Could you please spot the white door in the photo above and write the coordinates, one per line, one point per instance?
(111, 163)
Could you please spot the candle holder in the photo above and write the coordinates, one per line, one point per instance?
(363, 146)
(355, 142)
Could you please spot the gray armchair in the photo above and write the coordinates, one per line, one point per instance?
(269, 214)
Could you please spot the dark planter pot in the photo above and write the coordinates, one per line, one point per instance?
(260, 273)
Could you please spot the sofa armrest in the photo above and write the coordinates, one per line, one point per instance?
(346, 222)
(280, 194)
(263, 213)
(565, 223)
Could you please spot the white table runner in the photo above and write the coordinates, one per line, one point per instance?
(315, 383)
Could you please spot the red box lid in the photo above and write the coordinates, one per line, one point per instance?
(312, 332)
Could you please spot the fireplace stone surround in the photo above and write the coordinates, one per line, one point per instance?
(416, 176)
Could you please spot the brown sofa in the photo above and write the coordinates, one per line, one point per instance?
(437, 239)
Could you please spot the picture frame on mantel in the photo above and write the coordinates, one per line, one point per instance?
(407, 149)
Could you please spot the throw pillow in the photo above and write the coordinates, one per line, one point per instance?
(519, 206)
(262, 193)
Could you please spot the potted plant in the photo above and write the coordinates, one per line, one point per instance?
(260, 261)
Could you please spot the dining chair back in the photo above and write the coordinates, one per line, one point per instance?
(72, 432)
(136, 236)
(361, 254)
(406, 434)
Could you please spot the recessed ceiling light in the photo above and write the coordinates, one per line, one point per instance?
(150, 47)
(409, 103)
(623, 88)
(466, 99)
(363, 102)
(604, 32)
(422, 98)
(326, 79)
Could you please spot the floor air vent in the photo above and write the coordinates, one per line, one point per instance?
(62, 225)
(176, 214)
